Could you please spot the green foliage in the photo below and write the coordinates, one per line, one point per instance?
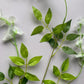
(17, 60)
(72, 37)
(31, 77)
(23, 51)
(58, 29)
(34, 60)
(48, 16)
(67, 76)
(59, 36)
(66, 26)
(68, 50)
(65, 65)
(2, 76)
(56, 71)
(48, 82)
(23, 80)
(46, 37)
(53, 43)
(37, 30)
(11, 72)
(18, 71)
(37, 13)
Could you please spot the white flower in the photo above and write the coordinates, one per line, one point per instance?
(11, 30)
(79, 42)
(78, 21)
(79, 55)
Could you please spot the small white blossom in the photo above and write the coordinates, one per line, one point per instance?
(78, 21)
(11, 30)
(79, 42)
(79, 55)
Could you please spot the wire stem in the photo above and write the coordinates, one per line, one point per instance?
(53, 54)
(9, 81)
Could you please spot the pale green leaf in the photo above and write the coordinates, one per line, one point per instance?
(31, 77)
(17, 60)
(34, 60)
(18, 71)
(67, 77)
(56, 71)
(37, 30)
(37, 13)
(23, 51)
(65, 65)
(48, 16)
(46, 37)
(48, 82)
(58, 29)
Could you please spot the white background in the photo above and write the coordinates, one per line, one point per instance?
(22, 10)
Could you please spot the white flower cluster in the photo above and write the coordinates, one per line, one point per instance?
(79, 42)
(11, 28)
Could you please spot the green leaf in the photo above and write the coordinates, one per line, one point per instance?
(56, 71)
(2, 76)
(72, 37)
(67, 76)
(58, 29)
(23, 51)
(18, 71)
(67, 26)
(48, 82)
(5, 83)
(11, 72)
(48, 16)
(52, 43)
(46, 37)
(31, 77)
(59, 36)
(37, 30)
(65, 65)
(17, 60)
(37, 13)
(23, 80)
(34, 60)
(68, 50)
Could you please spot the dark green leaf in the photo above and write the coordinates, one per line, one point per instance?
(68, 50)
(17, 60)
(2, 76)
(46, 37)
(59, 36)
(23, 51)
(34, 60)
(23, 80)
(58, 29)
(48, 82)
(52, 43)
(5, 83)
(18, 71)
(67, 76)
(72, 37)
(11, 72)
(37, 30)
(48, 16)
(56, 71)
(65, 65)
(31, 77)
(67, 26)
(37, 13)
